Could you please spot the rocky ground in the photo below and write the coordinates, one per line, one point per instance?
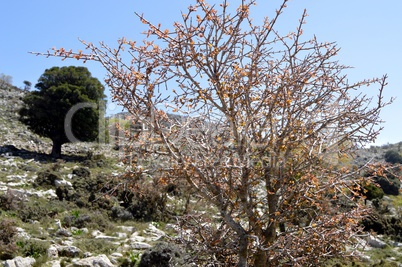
(71, 212)
(44, 207)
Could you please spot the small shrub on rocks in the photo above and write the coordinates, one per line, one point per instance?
(95, 160)
(79, 221)
(82, 172)
(46, 179)
(163, 255)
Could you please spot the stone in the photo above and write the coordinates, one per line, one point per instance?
(107, 238)
(128, 229)
(53, 263)
(376, 242)
(52, 252)
(140, 245)
(58, 183)
(63, 232)
(114, 258)
(154, 233)
(95, 261)
(69, 251)
(116, 255)
(137, 238)
(121, 235)
(22, 234)
(397, 244)
(20, 262)
(96, 233)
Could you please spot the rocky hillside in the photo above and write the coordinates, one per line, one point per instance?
(62, 213)
(82, 211)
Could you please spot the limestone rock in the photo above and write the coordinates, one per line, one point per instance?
(96, 261)
(154, 233)
(52, 252)
(140, 245)
(53, 263)
(107, 238)
(69, 251)
(20, 262)
(376, 242)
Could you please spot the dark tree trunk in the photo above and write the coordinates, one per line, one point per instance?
(243, 250)
(260, 259)
(56, 149)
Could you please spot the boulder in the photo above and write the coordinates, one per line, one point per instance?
(140, 245)
(52, 252)
(376, 242)
(95, 261)
(53, 263)
(69, 251)
(20, 262)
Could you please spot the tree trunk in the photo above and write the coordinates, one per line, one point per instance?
(260, 259)
(56, 148)
(243, 250)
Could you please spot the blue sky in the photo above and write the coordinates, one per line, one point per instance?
(369, 33)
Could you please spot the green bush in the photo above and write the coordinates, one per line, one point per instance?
(392, 156)
(38, 209)
(389, 184)
(373, 191)
(163, 255)
(46, 179)
(95, 160)
(384, 225)
(82, 172)
(33, 248)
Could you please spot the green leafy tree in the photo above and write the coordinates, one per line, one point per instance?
(27, 85)
(63, 92)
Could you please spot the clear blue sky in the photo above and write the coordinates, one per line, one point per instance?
(368, 31)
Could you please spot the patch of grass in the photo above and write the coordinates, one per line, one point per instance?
(385, 254)
(96, 246)
(396, 201)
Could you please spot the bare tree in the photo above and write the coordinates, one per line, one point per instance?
(5, 80)
(264, 117)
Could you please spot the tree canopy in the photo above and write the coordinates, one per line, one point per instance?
(59, 90)
(265, 117)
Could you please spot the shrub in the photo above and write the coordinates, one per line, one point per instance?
(9, 201)
(384, 225)
(163, 255)
(8, 234)
(46, 178)
(95, 160)
(389, 184)
(373, 191)
(392, 156)
(82, 172)
(33, 247)
(38, 209)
